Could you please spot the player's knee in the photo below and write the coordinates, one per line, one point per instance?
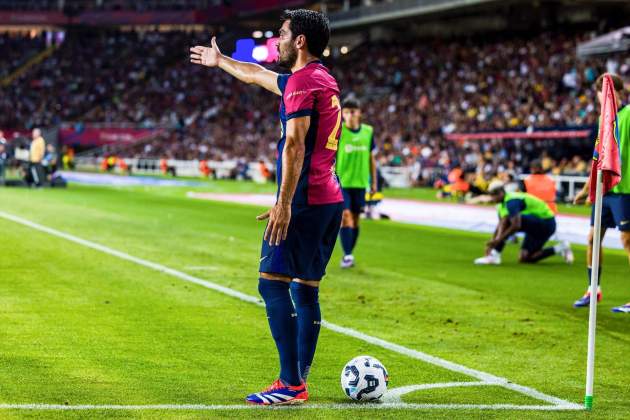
(303, 294)
(625, 240)
(525, 257)
(347, 219)
(271, 290)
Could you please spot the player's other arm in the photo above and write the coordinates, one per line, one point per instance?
(249, 73)
(582, 196)
(292, 162)
(374, 183)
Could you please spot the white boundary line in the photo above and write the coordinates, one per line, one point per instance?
(415, 354)
(339, 406)
(394, 395)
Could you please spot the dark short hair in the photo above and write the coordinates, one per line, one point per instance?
(313, 25)
(617, 82)
(351, 102)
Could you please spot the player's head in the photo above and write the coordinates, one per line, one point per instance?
(303, 32)
(536, 167)
(351, 111)
(37, 133)
(617, 85)
(497, 191)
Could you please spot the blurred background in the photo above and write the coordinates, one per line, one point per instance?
(460, 92)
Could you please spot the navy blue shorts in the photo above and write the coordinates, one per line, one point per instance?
(354, 199)
(615, 212)
(310, 242)
(537, 232)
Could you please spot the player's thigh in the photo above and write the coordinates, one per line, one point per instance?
(620, 208)
(608, 212)
(354, 199)
(310, 240)
(327, 239)
(537, 232)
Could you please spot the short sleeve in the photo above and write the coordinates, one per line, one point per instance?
(299, 97)
(514, 207)
(282, 82)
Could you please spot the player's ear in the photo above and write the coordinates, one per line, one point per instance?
(300, 41)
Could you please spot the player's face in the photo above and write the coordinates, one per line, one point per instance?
(351, 116)
(287, 51)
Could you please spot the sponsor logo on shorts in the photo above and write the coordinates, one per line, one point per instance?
(624, 222)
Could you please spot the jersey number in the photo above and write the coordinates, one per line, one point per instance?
(333, 141)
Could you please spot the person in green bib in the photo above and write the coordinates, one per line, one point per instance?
(356, 169)
(616, 203)
(522, 212)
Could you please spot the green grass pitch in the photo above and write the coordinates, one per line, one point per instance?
(79, 326)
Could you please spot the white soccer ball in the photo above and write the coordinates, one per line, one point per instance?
(364, 379)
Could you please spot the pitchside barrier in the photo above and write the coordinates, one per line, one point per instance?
(396, 176)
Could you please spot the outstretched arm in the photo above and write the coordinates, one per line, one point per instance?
(249, 73)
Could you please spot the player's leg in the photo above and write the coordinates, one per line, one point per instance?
(356, 219)
(309, 318)
(281, 315)
(608, 221)
(354, 205)
(621, 212)
(274, 287)
(537, 233)
(305, 292)
(346, 234)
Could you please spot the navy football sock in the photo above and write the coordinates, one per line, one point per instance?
(346, 235)
(355, 237)
(309, 323)
(589, 270)
(284, 329)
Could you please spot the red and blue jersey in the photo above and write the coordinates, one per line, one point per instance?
(313, 91)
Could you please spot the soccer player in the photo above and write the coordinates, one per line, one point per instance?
(304, 223)
(522, 212)
(356, 167)
(616, 203)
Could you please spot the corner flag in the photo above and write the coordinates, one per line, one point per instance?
(606, 155)
(605, 174)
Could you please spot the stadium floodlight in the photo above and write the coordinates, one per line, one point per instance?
(257, 34)
(260, 53)
(343, 50)
(327, 52)
(268, 34)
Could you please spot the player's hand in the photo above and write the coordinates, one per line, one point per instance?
(206, 56)
(373, 189)
(279, 217)
(580, 198)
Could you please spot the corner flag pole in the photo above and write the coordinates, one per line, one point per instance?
(592, 315)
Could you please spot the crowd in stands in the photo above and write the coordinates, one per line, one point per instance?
(140, 6)
(414, 94)
(16, 50)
